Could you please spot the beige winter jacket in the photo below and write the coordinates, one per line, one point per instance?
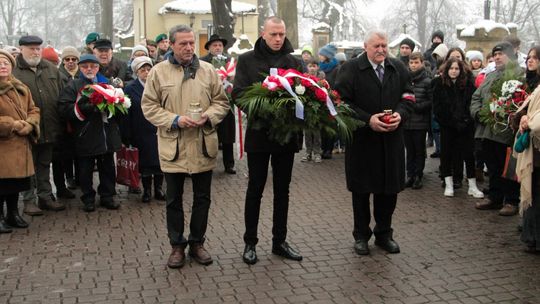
(166, 95)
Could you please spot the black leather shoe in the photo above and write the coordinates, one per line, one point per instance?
(409, 182)
(250, 255)
(361, 247)
(230, 170)
(89, 206)
(16, 221)
(146, 197)
(388, 244)
(286, 251)
(418, 184)
(110, 204)
(65, 193)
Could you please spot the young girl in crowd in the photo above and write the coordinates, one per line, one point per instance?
(452, 94)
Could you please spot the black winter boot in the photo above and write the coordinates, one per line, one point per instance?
(147, 188)
(13, 217)
(4, 227)
(158, 192)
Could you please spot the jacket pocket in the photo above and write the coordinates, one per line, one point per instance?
(167, 91)
(209, 142)
(168, 144)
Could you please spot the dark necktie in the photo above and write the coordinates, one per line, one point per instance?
(380, 72)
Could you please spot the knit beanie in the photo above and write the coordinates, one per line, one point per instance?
(50, 54)
(437, 33)
(307, 48)
(408, 42)
(341, 57)
(506, 48)
(70, 51)
(7, 55)
(139, 62)
(474, 55)
(329, 51)
(139, 48)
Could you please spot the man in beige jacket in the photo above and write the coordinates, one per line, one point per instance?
(187, 144)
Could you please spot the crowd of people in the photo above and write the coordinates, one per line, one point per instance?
(407, 102)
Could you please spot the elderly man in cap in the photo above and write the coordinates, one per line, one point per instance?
(91, 38)
(406, 47)
(97, 136)
(45, 83)
(503, 193)
(226, 129)
(163, 46)
(114, 69)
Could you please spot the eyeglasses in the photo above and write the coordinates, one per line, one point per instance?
(72, 59)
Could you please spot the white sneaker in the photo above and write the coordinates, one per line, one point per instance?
(317, 158)
(306, 157)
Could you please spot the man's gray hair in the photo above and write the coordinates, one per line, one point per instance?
(376, 33)
(182, 28)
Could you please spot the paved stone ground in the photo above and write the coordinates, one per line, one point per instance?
(451, 253)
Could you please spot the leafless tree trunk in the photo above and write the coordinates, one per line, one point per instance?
(288, 11)
(106, 25)
(12, 12)
(264, 11)
(223, 20)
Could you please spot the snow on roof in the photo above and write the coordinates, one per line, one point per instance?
(400, 38)
(321, 25)
(346, 44)
(126, 35)
(512, 25)
(235, 48)
(202, 7)
(487, 25)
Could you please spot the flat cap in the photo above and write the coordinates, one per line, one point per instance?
(103, 44)
(88, 58)
(30, 40)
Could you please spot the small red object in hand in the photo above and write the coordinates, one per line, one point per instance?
(387, 116)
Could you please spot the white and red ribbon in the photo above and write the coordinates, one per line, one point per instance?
(299, 109)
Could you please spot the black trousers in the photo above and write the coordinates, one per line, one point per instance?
(228, 155)
(383, 209)
(107, 177)
(457, 147)
(415, 143)
(202, 183)
(501, 190)
(62, 169)
(282, 164)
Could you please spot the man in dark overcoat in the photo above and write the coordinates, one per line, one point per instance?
(272, 50)
(375, 160)
(226, 128)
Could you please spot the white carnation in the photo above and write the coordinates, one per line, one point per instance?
(300, 89)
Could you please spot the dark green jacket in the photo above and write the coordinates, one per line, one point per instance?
(45, 84)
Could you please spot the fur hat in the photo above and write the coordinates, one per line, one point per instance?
(408, 42)
(139, 48)
(504, 47)
(329, 51)
(139, 62)
(6, 54)
(437, 33)
(70, 51)
(50, 54)
(474, 55)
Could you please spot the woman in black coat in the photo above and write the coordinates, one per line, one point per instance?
(142, 134)
(452, 94)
